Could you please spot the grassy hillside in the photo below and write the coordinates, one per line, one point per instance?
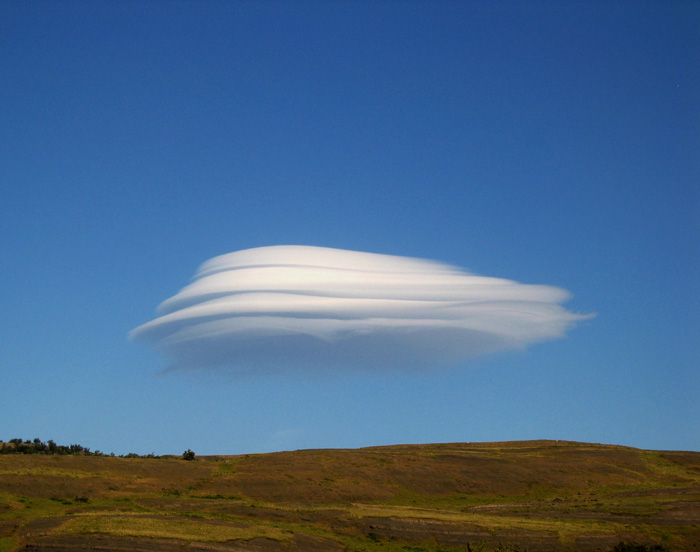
(536, 495)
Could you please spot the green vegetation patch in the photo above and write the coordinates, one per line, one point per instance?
(666, 469)
(564, 528)
(44, 471)
(8, 544)
(226, 467)
(164, 528)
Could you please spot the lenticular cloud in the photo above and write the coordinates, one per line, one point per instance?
(291, 307)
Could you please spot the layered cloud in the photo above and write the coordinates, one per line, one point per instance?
(302, 307)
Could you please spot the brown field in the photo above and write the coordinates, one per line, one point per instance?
(535, 495)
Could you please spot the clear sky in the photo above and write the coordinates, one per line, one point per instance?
(550, 143)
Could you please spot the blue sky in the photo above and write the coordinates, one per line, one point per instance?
(550, 143)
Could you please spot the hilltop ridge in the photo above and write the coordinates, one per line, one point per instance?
(527, 495)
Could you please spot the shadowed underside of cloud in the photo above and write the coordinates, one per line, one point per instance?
(302, 307)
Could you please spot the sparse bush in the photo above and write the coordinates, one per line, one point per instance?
(37, 446)
(188, 455)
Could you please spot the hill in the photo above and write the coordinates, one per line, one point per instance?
(535, 495)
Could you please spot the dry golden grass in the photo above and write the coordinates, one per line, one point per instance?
(501, 522)
(188, 530)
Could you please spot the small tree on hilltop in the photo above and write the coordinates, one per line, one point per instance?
(188, 455)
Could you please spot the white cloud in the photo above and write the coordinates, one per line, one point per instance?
(302, 307)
